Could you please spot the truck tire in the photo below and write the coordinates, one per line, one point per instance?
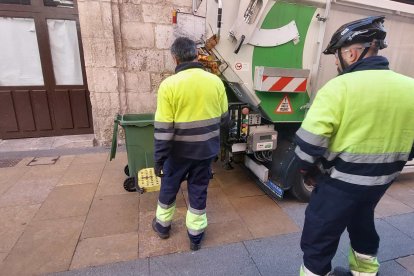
(300, 190)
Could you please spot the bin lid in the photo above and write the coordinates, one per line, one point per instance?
(139, 120)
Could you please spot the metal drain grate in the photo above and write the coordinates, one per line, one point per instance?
(8, 163)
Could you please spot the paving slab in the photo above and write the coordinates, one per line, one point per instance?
(91, 158)
(105, 250)
(149, 244)
(45, 246)
(65, 160)
(402, 192)
(111, 215)
(238, 184)
(219, 209)
(294, 209)
(111, 183)
(79, 173)
(389, 206)
(393, 268)
(282, 255)
(404, 223)
(148, 201)
(263, 217)
(119, 162)
(406, 178)
(13, 221)
(132, 268)
(3, 256)
(226, 260)
(67, 201)
(407, 263)
(393, 243)
(9, 177)
(33, 187)
(226, 232)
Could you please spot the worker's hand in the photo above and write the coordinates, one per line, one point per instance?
(310, 175)
(158, 169)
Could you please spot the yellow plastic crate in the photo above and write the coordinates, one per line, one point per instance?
(148, 181)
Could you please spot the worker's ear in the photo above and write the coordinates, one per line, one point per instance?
(354, 54)
(176, 60)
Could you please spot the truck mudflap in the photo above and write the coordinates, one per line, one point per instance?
(260, 174)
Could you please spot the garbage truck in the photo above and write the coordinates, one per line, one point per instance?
(269, 55)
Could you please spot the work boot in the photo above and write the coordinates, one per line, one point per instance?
(160, 234)
(195, 246)
(340, 271)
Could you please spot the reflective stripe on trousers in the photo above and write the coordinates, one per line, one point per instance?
(362, 265)
(165, 214)
(196, 221)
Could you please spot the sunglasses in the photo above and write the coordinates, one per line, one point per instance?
(344, 51)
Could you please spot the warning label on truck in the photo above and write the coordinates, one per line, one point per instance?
(242, 66)
(284, 107)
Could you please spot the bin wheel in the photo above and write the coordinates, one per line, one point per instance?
(126, 170)
(129, 184)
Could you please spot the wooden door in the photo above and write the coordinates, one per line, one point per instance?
(43, 88)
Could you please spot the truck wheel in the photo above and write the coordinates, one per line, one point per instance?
(299, 189)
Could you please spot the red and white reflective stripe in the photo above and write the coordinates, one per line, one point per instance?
(284, 84)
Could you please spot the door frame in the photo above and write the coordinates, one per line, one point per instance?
(40, 14)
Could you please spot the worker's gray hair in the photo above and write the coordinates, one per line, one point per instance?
(184, 49)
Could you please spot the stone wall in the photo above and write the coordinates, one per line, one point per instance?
(126, 50)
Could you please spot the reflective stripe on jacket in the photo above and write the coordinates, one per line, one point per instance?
(190, 107)
(360, 125)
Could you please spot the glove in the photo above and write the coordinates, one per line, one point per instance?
(158, 169)
(310, 175)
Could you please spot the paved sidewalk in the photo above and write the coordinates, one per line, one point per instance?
(69, 215)
(280, 255)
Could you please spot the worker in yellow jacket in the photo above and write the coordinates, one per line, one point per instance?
(360, 130)
(191, 106)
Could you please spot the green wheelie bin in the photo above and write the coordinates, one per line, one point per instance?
(139, 139)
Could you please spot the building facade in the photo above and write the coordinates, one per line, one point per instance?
(69, 67)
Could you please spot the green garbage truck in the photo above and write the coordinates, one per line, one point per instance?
(269, 54)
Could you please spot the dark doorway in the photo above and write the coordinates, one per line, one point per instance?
(43, 88)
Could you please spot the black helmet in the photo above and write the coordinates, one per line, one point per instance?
(360, 31)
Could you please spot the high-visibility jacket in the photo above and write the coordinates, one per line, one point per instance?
(191, 104)
(360, 125)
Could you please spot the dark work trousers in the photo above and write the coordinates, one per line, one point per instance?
(335, 206)
(198, 173)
